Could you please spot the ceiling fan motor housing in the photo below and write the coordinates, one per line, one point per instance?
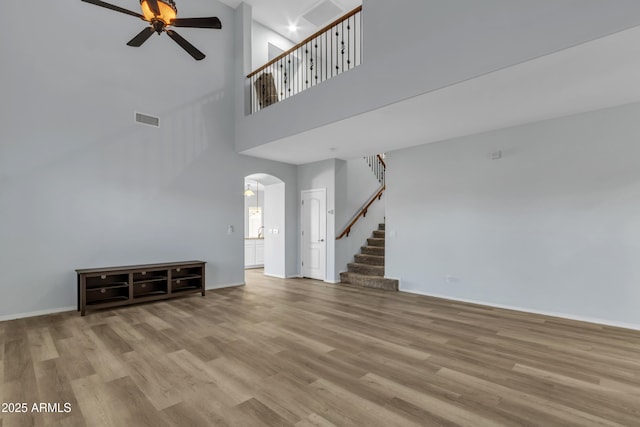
(158, 25)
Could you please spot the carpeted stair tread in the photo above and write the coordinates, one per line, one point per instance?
(375, 241)
(372, 250)
(369, 281)
(369, 270)
(369, 259)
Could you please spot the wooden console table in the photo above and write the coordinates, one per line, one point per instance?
(116, 286)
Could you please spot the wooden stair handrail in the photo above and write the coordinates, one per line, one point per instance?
(363, 212)
(307, 40)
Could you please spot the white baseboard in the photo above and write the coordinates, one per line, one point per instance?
(37, 313)
(277, 276)
(333, 282)
(579, 318)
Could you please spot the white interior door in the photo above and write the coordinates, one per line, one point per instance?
(314, 233)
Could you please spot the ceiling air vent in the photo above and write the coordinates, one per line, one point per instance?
(323, 13)
(148, 120)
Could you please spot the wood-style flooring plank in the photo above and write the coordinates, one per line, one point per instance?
(298, 352)
(115, 403)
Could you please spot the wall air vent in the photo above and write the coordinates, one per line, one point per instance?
(148, 120)
(323, 13)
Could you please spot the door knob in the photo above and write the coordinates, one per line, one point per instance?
(322, 240)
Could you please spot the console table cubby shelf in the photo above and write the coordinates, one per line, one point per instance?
(116, 286)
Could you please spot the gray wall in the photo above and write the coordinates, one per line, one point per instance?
(552, 227)
(82, 186)
(413, 47)
(261, 38)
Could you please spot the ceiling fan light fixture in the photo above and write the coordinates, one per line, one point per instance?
(168, 11)
(161, 14)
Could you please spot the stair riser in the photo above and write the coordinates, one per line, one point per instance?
(378, 234)
(381, 227)
(369, 259)
(369, 282)
(375, 242)
(372, 250)
(369, 270)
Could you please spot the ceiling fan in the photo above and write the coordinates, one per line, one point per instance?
(162, 14)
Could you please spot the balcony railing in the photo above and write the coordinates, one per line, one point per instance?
(331, 51)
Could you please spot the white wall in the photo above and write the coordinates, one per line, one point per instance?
(82, 186)
(261, 37)
(275, 231)
(553, 226)
(413, 47)
(355, 185)
(315, 176)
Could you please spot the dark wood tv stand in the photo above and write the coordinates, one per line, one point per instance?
(115, 286)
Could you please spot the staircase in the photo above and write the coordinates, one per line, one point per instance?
(367, 270)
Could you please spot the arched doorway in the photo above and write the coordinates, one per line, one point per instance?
(264, 216)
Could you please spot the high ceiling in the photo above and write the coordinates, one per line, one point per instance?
(83, 74)
(280, 14)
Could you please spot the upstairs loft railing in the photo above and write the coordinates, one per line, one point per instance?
(333, 50)
(378, 167)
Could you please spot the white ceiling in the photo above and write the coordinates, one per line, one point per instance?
(591, 76)
(279, 14)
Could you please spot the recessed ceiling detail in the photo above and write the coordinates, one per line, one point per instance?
(323, 13)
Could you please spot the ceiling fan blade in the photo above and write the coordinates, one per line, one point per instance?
(114, 7)
(212, 22)
(141, 37)
(153, 5)
(191, 49)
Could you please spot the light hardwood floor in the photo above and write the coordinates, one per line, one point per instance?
(300, 352)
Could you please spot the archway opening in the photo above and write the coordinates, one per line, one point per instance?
(264, 224)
